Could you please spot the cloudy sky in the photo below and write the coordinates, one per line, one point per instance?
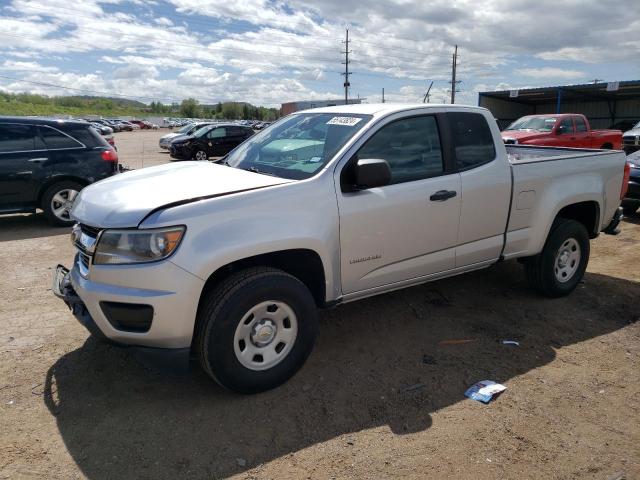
(268, 52)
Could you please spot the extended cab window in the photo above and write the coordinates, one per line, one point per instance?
(472, 139)
(410, 146)
(16, 138)
(581, 126)
(57, 140)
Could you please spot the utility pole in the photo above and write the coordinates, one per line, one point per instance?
(597, 81)
(382, 94)
(346, 69)
(426, 95)
(454, 83)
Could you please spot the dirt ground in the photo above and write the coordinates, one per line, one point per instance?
(380, 397)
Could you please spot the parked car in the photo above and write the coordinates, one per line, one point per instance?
(45, 163)
(102, 129)
(209, 141)
(631, 202)
(631, 139)
(123, 126)
(134, 126)
(328, 206)
(561, 130)
(165, 140)
(108, 123)
(141, 124)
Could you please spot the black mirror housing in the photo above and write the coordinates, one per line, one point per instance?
(372, 172)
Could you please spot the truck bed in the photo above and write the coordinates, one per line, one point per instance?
(519, 154)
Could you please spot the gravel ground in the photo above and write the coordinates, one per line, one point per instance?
(380, 397)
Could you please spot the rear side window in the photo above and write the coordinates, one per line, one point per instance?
(16, 138)
(89, 136)
(472, 139)
(581, 126)
(217, 133)
(411, 147)
(55, 139)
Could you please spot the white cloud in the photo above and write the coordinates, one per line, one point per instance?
(550, 72)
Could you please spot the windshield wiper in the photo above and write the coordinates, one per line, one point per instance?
(255, 170)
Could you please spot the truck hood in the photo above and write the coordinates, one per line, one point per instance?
(524, 135)
(124, 200)
(632, 132)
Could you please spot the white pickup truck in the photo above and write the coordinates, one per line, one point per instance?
(229, 261)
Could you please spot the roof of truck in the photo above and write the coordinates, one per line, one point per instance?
(379, 109)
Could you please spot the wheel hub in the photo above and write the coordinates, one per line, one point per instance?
(564, 258)
(263, 332)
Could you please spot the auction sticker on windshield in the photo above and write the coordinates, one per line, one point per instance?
(346, 121)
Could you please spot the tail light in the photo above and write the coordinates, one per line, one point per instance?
(625, 180)
(110, 155)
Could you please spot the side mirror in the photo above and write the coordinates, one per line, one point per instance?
(561, 130)
(372, 172)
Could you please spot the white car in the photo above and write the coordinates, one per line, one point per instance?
(230, 261)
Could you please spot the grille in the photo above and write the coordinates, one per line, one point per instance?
(85, 243)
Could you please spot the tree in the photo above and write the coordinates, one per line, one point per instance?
(189, 108)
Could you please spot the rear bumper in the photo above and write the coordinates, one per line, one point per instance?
(613, 227)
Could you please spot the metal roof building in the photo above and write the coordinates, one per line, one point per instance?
(604, 104)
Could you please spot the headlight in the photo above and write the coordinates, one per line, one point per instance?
(116, 247)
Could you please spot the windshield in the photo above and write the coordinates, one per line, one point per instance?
(637, 125)
(541, 124)
(186, 128)
(297, 146)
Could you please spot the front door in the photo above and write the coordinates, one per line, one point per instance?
(407, 229)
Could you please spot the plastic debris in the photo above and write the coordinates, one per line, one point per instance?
(511, 342)
(416, 386)
(457, 341)
(484, 391)
(429, 360)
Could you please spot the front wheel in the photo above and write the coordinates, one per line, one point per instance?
(256, 329)
(200, 155)
(630, 209)
(558, 269)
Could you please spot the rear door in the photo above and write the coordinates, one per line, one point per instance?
(409, 228)
(24, 163)
(583, 138)
(485, 179)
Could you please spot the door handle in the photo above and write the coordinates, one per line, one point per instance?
(38, 160)
(442, 195)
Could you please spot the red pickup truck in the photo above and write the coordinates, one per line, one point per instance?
(561, 130)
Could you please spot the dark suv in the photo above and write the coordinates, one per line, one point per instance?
(209, 141)
(45, 163)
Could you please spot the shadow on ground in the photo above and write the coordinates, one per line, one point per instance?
(25, 226)
(119, 420)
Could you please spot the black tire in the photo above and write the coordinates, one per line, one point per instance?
(221, 311)
(540, 270)
(197, 152)
(630, 209)
(49, 194)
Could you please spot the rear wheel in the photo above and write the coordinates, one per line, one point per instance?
(558, 269)
(57, 201)
(606, 146)
(256, 329)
